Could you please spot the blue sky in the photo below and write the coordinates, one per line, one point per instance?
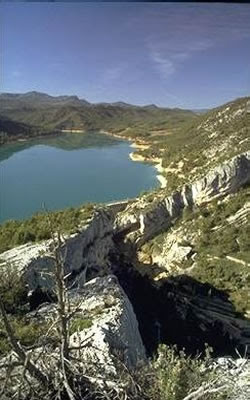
(175, 55)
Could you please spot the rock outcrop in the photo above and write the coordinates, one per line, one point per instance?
(153, 218)
(86, 252)
(236, 373)
(225, 179)
(172, 255)
(205, 313)
(100, 349)
(83, 252)
(114, 332)
(188, 313)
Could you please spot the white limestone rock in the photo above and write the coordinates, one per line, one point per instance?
(173, 256)
(223, 180)
(114, 333)
(86, 249)
(140, 221)
(236, 374)
(112, 339)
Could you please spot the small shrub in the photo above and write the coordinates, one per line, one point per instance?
(15, 233)
(79, 323)
(12, 289)
(178, 374)
(25, 331)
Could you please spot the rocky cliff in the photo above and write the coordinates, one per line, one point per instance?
(183, 311)
(104, 338)
(236, 371)
(87, 251)
(114, 331)
(90, 251)
(205, 314)
(83, 252)
(152, 218)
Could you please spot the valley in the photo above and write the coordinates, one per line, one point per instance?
(171, 265)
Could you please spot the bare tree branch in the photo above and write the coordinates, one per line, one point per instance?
(33, 370)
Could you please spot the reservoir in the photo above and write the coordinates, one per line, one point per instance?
(67, 171)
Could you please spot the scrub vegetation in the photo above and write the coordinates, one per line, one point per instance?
(218, 234)
(14, 233)
(169, 375)
(36, 114)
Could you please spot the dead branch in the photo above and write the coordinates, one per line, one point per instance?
(16, 346)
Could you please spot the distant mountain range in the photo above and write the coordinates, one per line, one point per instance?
(38, 98)
(35, 113)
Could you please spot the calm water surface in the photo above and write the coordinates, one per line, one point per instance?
(68, 171)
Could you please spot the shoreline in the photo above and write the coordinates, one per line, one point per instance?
(155, 161)
(141, 145)
(137, 145)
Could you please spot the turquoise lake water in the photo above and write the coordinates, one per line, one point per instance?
(67, 171)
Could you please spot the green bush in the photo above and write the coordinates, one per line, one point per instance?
(25, 331)
(79, 323)
(14, 233)
(173, 375)
(13, 291)
(243, 238)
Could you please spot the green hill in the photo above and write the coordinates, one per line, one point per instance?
(188, 149)
(47, 113)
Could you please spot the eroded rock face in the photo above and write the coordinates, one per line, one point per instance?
(173, 256)
(223, 180)
(185, 312)
(82, 251)
(205, 314)
(180, 244)
(109, 340)
(114, 332)
(87, 250)
(181, 307)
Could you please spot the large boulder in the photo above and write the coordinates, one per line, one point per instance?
(104, 337)
(114, 333)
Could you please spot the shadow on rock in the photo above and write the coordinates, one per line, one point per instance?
(185, 312)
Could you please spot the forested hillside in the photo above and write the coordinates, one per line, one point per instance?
(42, 112)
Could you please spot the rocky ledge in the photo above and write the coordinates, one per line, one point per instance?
(181, 311)
(104, 337)
(152, 218)
(86, 251)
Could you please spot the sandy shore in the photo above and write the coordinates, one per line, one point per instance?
(114, 135)
(160, 177)
(140, 146)
(162, 180)
(139, 158)
(73, 131)
(156, 161)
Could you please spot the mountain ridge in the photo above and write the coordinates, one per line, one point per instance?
(45, 113)
(42, 96)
